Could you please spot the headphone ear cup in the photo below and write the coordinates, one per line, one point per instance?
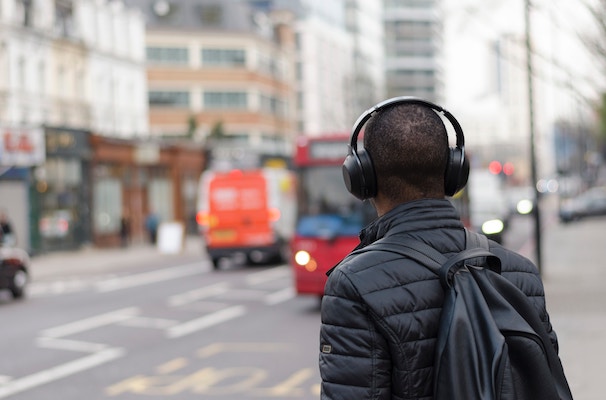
(352, 175)
(359, 174)
(457, 171)
(368, 173)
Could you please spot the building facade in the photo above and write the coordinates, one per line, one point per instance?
(364, 21)
(68, 68)
(325, 71)
(414, 48)
(219, 70)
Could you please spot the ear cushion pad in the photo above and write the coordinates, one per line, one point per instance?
(457, 171)
(359, 174)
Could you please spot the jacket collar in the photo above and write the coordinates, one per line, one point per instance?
(412, 216)
(409, 217)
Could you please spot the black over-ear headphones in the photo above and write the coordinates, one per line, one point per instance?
(358, 169)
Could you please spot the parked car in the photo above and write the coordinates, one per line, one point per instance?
(589, 203)
(14, 270)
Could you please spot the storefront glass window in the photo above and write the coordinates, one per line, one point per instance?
(59, 187)
(107, 198)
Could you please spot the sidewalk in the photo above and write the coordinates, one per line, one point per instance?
(99, 260)
(575, 285)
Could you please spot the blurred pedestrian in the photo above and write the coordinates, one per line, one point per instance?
(124, 230)
(151, 225)
(8, 234)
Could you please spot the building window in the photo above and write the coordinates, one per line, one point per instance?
(21, 73)
(64, 17)
(224, 57)
(168, 98)
(233, 100)
(107, 197)
(167, 55)
(26, 6)
(273, 105)
(424, 4)
(211, 15)
(42, 77)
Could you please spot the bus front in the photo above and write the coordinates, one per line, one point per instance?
(329, 218)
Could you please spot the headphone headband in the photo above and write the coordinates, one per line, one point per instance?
(362, 119)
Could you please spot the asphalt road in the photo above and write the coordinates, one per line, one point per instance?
(136, 325)
(168, 331)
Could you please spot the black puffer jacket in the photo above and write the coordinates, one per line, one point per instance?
(380, 311)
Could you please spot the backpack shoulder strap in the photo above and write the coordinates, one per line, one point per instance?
(474, 239)
(436, 261)
(418, 251)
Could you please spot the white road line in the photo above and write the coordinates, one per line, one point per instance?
(204, 322)
(71, 345)
(280, 296)
(59, 372)
(243, 294)
(268, 275)
(91, 323)
(198, 294)
(149, 277)
(146, 322)
(4, 379)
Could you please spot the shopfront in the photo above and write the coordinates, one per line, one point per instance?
(132, 179)
(21, 149)
(61, 192)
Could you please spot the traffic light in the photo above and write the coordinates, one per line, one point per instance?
(495, 167)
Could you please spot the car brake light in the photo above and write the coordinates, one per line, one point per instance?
(274, 214)
(205, 219)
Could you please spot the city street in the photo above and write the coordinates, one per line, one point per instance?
(167, 327)
(136, 324)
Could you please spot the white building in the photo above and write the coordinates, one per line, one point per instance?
(488, 81)
(325, 72)
(414, 48)
(68, 68)
(74, 64)
(364, 21)
(116, 81)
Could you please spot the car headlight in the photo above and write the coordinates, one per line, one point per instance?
(302, 257)
(524, 206)
(492, 227)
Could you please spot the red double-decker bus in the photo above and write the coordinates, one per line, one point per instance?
(329, 218)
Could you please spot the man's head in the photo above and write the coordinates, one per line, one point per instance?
(407, 139)
(408, 145)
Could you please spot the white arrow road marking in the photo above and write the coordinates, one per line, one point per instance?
(53, 338)
(147, 278)
(91, 323)
(59, 371)
(198, 294)
(206, 321)
(71, 345)
(268, 275)
(280, 296)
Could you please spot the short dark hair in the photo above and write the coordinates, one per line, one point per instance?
(408, 144)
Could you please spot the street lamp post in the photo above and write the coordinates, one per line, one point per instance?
(533, 158)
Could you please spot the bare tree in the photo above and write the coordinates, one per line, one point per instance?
(596, 44)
